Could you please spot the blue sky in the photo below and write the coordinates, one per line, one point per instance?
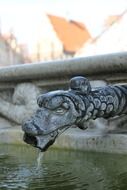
(24, 16)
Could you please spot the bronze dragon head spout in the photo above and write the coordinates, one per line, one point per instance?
(60, 110)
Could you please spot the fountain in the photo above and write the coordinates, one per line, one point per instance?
(89, 116)
(20, 85)
(60, 110)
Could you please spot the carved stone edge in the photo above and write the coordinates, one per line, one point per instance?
(95, 142)
(96, 67)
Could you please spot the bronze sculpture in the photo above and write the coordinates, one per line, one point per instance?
(61, 109)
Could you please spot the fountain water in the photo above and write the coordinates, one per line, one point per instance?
(39, 159)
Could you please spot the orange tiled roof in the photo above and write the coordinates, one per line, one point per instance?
(73, 34)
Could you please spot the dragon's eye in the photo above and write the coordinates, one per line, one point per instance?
(60, 110)
(64, 107)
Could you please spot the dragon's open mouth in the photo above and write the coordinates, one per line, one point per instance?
(41, 142)
(29, 139)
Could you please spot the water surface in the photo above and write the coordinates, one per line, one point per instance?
(61, 170)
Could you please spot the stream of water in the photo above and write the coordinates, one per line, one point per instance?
(39, 159)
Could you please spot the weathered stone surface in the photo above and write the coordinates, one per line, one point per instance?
(92, 141)
(21, 104)
(12, 135)
(96, 67)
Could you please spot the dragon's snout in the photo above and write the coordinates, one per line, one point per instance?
(35, 137)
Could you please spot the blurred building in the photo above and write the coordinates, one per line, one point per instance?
(10, 52)
(111, 39)
(59, 38)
